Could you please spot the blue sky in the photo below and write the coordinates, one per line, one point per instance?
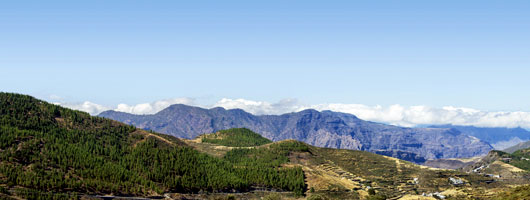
(473, 54)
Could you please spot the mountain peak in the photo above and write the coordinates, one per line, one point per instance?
(310, 110)
(218, 109)
(180, 106)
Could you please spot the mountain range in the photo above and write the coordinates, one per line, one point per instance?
(522, 145)
(499, 137)
(322, 129)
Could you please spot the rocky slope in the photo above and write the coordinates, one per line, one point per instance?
(323, 129)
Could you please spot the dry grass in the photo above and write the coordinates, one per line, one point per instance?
(322, 178)
(507, 167)
(213, 149)
(147, 135)
(210, 149)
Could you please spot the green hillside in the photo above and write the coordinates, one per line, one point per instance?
(47, 151)
(236, 137)
(520, 159)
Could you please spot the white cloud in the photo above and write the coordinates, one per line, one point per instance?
(408, 116)
(154, 107)
(140, 109)
(260, 107)
(418, 115)
(86, 106)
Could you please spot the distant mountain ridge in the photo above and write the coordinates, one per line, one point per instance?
(522, 145)
(323, 129)
(499, 137)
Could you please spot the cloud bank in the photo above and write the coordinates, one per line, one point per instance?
(407, 116)
(139, 109)
(86, 106)
(261, 107)
(154, 107)
(418, 115)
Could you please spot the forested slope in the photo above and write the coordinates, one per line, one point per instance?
(45, 148)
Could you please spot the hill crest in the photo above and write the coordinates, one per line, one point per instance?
(235, 137)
